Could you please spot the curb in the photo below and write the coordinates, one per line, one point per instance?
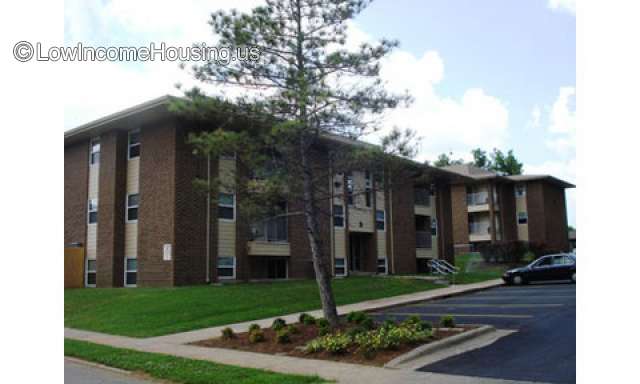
(97, 365)
(438, 345)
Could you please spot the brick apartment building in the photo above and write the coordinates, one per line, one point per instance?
(494, 208)
(131, 204)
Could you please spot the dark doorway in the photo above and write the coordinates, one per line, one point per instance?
(276, 268)
(359, 249)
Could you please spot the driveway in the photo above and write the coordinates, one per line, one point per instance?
(80, 373)
(543, 349)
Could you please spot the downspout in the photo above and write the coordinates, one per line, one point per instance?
(393, 253)
(208, 215)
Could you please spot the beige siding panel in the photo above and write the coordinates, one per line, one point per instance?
(380, 200)
(424, 210)
(360, 215)
(422, 253)
(227, 171)
(92, 241)
(339, 243)
(261, 248)
(94, 176)
(226, 238)
(131, 239)
(133, 175)
(382, 244)
(523, 229)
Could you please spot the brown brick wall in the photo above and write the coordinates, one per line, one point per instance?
(190, 251)
(445, 223)
(557, 236)
(535, 212)
(508, 212)
(459, 218)
(156, 216)
(76, 179)
(111, 209)
(403, 227)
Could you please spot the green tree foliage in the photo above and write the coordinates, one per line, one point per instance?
(302, 91)
(497, 161)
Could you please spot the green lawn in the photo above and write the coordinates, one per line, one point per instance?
(177, 369)
(144, 312)
(474, 270)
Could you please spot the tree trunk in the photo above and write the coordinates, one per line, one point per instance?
(323, 276)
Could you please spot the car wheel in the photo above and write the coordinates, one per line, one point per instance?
(518, 280)
(573, 277)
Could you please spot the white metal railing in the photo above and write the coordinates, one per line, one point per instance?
(442, 267)
(478, 198)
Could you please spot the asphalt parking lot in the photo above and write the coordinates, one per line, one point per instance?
(543, 348)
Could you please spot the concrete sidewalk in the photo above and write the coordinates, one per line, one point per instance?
(207, 333)
(340, 372)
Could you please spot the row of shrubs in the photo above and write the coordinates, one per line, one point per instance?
(368, 339)
(282, 330)
(513, 252)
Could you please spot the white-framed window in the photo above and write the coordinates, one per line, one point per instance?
(94, 151)
(340, 269)
(349, 188)
(92, 211)
(134, 144)
(382, 266)
(521, 190)
(380, 220)
(338, 216)
(523, 218)
(226, 206)
(434, 226)
(90, 273)
(130, 272)
(133, 201)
(226, 268)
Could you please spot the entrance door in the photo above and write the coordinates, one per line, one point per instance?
(358, 251)
(277, 268)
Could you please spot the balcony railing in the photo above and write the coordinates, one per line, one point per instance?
(423, 239)
(478, 198)
(479, 228)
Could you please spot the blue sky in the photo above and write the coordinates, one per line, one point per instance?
(490, 73)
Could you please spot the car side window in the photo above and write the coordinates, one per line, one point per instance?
(544, 262)
(559, 260)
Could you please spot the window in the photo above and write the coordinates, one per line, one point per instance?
(92, 208)
(423, 231)
(90, 273)
(94, 157)
(380, 220)
(134, 144)
(349, 189)
(339, 268)
(338, 216)
(422, 196)
(562, 260)
(132, 207)
(226, 206)
(367, 196)
(522, 218)
(544, 262)
(434, 226)
(130, 272)
(274, 228)
(382, 266)
(226, 268)
(521, 190)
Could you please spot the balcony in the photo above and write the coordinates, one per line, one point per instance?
(423, 239)
(479, 202)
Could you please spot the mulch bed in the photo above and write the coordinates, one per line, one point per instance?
(310, 332)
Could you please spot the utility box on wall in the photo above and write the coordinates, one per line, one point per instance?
(74, 267)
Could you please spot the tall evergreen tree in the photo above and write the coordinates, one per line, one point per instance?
(303, 87)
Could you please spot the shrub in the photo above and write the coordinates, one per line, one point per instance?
(278, 324)
(256, 336)
(227, 333)
(323, 331)
(335, 344)
(447, 321)
(293, 329)
(367, 323)
(306, 319)
(388, 324)
(390, 337)
(322, 323)
(353, 332)
(418, 322)
(282, 336)
(356, 317)
(254, 327)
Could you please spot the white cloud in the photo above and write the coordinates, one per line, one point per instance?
(563, 5)
(536, 115)
(562, 122)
